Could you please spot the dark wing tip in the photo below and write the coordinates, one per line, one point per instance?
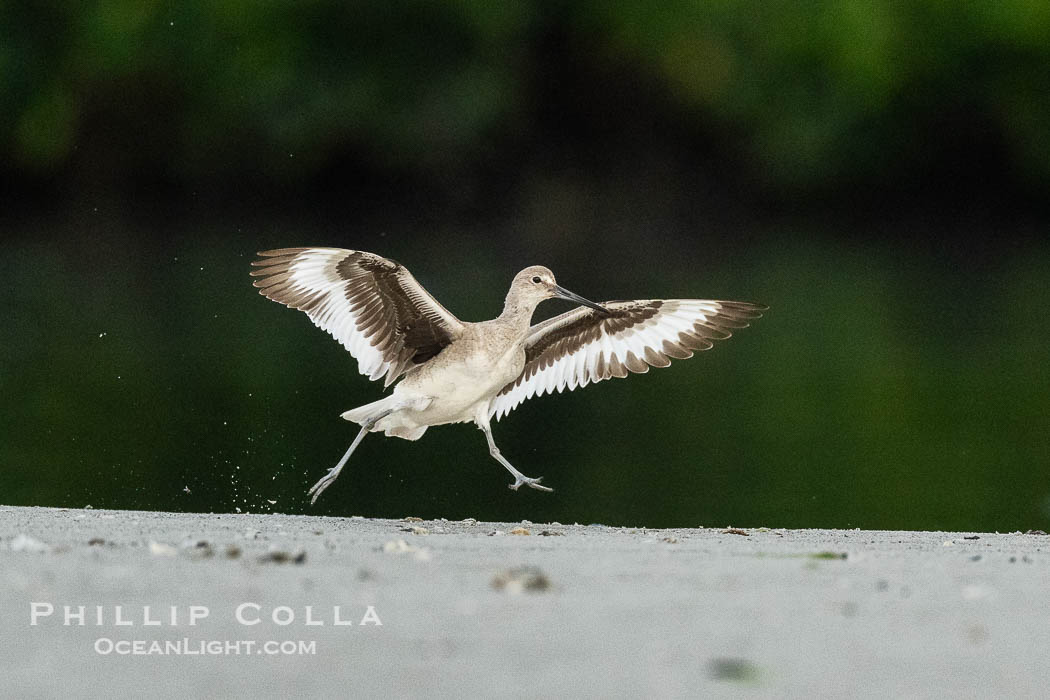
(744, 309)
(269, 258)
(278, 252)
(753, 306)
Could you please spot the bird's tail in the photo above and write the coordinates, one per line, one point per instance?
(362, 413)
(395, 415)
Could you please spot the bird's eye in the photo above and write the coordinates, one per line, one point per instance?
(535, 280)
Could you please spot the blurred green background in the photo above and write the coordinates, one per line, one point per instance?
(876, 172)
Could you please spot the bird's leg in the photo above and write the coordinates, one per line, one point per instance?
(333, 473)
(519, 478)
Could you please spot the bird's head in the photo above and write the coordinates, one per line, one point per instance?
(537, 283)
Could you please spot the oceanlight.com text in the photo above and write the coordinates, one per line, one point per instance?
(204, 647)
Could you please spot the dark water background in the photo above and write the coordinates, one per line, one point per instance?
(876, 173)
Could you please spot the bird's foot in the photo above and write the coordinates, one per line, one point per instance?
(321, 485)
(520, 479)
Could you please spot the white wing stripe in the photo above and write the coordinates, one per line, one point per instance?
(662, 330)
(343, 292)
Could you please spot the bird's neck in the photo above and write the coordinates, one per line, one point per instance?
(518, 312)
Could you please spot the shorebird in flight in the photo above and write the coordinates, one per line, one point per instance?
(456, 372)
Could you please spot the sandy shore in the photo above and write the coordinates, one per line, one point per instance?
(470, 608)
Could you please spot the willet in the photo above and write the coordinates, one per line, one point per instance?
(457, 372)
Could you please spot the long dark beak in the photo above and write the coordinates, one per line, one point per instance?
(563, 293)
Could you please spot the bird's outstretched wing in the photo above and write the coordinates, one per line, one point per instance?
(370, 304)
(583, 346)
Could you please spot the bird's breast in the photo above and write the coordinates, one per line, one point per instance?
(491, 371)
(470, 377)
(458, 386)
